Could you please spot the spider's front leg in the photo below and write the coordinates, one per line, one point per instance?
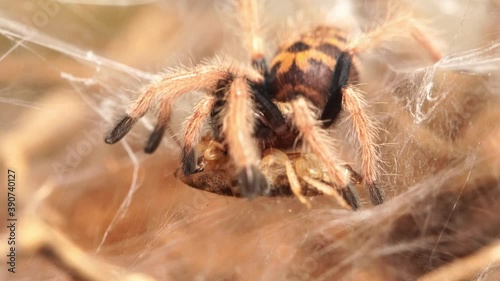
(166, 91)
(238, 129)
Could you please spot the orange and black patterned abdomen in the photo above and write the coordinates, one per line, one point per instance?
(306, 66)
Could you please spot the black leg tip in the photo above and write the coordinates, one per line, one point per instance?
(376, 195)
(120, 129)
(350, 196)
(252, 182)
(188, 162)
(155, 139)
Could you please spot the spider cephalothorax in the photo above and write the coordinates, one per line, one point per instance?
(309, 81)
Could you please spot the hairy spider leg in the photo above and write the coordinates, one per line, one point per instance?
(351, 99)
(319, 142)
(192, 133)
(238, 129)
(394, 28)
(343, 95)
(251, 24)
(168, 89)
(366, 131)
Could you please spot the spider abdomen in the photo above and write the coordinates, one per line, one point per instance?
(306, 66)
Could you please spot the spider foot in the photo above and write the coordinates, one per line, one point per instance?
(121, 129)
(188, 162)
(350, 196)
(155, 138)
(375, 194)
(252, 182)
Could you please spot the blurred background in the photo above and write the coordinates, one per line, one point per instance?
(70, 68)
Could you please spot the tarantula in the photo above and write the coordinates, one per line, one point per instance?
(295, 100)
